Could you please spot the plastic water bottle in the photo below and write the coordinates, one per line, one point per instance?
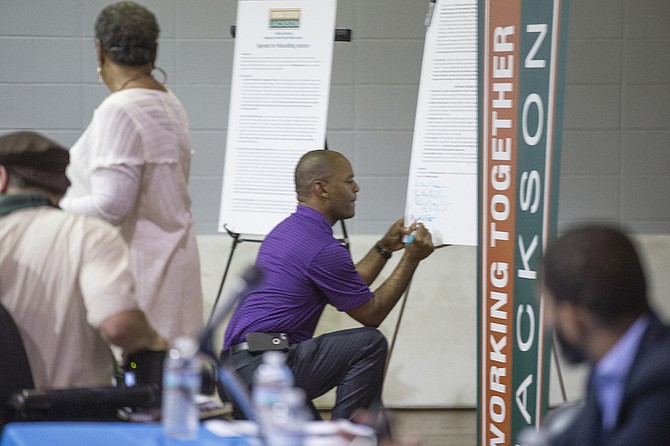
(181, 383)
(529, 436)
(279, 407)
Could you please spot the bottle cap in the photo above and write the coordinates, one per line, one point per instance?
(186, 345)
(274, 356)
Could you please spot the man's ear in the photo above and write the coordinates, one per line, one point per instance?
(4, 179)
(320, 188)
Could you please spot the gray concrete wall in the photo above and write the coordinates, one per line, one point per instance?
(616, 154)
(434, 361)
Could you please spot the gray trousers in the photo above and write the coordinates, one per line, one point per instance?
(351, 360)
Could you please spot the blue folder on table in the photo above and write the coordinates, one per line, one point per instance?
(105, 434)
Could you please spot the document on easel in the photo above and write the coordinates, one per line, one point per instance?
(442, 187)
(278, 107)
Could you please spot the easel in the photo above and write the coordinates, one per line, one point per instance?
(341, 35)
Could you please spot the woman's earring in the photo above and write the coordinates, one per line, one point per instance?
(99, 75)
(161, 71)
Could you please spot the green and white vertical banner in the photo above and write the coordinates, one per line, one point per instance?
(522, 52)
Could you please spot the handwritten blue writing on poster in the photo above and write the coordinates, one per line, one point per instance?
(430, 200)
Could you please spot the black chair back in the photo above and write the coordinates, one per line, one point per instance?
(20, 401)
(15, 372)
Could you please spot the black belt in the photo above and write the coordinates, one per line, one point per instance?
(242, 346)
(257, 342)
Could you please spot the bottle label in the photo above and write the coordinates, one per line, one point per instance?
(181, 380)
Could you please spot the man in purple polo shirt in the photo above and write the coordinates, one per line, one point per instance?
(305, 268)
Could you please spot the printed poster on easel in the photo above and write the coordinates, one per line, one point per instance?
(442, 186)
(278, 107)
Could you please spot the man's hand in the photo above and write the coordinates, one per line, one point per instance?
(392, 240)
(131, 331)
(375, 310)
(422, 245)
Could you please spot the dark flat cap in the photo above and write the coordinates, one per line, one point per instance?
(38, 160)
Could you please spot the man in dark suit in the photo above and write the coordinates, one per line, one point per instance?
(595, 296)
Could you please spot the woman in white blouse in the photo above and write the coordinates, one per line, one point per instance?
(131, 168)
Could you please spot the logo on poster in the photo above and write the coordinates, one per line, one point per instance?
(284, 18)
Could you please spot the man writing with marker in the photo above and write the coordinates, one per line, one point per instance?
(304, 269)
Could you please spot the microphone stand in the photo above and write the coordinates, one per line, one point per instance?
(229, 380)
(227, 376)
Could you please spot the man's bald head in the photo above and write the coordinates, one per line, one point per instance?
(314, 166)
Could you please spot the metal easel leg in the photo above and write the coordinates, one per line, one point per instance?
(558, 370)
(236, 241)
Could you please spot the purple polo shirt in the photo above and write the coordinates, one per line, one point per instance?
(304, 268)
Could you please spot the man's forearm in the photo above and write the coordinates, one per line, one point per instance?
(371, 265)
(373, 312)
(131, 331)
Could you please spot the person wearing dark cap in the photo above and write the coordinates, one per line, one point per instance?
(64, 278)
(595, 300)
(131, 168)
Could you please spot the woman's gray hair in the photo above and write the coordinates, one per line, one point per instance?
(128, 32)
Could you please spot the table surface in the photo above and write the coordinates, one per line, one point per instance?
(210, 433)
(105, 434)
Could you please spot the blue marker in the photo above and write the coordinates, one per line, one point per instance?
(408, 238)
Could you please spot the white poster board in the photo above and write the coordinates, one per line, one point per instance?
(442, 187)
(278, 107)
